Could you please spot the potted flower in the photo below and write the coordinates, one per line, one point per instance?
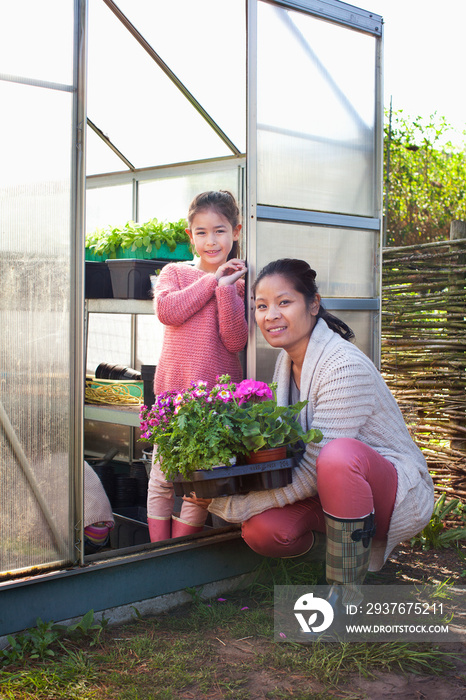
(208, 441)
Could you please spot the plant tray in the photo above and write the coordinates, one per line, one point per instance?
(131, 277)
(98, 284)
(89, 255)
(130, 527)
(227, 481)
(114, 392)
(181, 252)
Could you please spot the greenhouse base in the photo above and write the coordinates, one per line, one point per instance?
(141, 578)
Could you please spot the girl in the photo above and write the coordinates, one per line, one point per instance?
(202, 308)
(366, 484)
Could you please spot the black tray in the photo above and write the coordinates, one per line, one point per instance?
(131, 277)
(98, 284)
(130, 528)
(227, 481)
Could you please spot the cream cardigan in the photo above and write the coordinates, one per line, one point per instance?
(347, 398)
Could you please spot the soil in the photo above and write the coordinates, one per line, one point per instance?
(405, 566)
(234, 658)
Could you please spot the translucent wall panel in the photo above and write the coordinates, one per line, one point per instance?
(31, 45)
(342, 258)
(169, 199)
(315, 112)
(108, 206)
(363, 323)
(35, 168)
(217, 79)
(135, 104)
(101, 158)
(110, 340)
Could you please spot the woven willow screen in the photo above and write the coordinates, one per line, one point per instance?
(424, 352)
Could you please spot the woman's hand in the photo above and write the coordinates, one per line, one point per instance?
(230, 271)
(201, 502)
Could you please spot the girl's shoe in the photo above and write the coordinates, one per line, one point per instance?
(180, 528)
(159, 528)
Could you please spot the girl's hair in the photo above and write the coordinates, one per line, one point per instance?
(303, 278)
(223, 202)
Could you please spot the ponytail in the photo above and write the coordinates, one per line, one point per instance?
(335, 324)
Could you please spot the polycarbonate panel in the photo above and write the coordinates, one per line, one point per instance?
(101, 158)
(342, 258)
(109, 340)
(35, 170)
(217, 79)
(135, 104)
(315, 113)
(108, 206)
(363, 323)
(168, 199)
(36, 40)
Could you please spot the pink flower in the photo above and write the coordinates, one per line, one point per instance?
(249, 388)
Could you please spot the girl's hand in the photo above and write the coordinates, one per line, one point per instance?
(201, 502)
(230, 271)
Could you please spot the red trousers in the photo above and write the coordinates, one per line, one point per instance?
(353, 480)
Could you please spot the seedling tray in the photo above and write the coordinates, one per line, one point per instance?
(227, 481)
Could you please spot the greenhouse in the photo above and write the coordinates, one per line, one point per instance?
(121, 112)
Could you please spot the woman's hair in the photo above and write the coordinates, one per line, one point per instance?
(223, 202)
(303, 278)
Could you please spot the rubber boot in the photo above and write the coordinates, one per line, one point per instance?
(180, 528)
(347, 559)
(159, 528)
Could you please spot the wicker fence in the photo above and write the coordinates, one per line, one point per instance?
(424, 352)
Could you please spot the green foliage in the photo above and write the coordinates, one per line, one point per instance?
(32, 644)
(36, 642)
(425, 187)
(151, 235)
(266, 425)
(88, 626)
(435, 535)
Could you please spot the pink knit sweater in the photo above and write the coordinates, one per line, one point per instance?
(205, 327)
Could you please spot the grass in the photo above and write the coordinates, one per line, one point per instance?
(207, 649)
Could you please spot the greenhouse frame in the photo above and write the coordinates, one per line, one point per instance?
(123, 111)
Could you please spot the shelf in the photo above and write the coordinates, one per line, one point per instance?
(125, 415)
(119, 306)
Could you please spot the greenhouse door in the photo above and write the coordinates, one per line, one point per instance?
(314, 155)
(40, 269)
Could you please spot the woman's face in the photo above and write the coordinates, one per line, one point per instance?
(282, 314)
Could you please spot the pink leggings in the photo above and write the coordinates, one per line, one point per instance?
(161, 497)
(352, 481)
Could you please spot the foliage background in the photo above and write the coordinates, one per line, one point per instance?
(425, 179)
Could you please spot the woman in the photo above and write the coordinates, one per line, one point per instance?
(366, 484)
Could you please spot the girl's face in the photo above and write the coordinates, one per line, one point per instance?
(282, 314)
(212, 236)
